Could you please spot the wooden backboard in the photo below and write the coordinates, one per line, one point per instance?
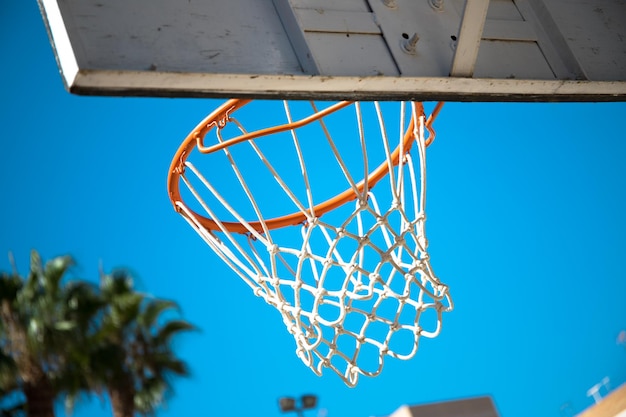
(491, 50)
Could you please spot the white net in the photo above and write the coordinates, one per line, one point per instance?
(353, 283)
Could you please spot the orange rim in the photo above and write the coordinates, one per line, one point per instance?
(218, 119)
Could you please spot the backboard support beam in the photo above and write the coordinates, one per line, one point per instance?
(295, 33)
(470, 35)
(343, 88)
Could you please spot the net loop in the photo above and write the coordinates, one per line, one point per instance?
(350, 276)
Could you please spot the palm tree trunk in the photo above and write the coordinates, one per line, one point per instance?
(39, 398)
(122, 400)
(37, 389)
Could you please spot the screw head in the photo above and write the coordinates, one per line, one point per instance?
(436, 4)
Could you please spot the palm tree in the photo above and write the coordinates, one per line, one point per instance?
(77, 337)
(34, 332)
(83, 307)
(133, 357)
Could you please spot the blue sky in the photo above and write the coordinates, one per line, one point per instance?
(526, 221)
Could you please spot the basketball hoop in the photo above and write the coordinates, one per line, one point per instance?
(346, 265)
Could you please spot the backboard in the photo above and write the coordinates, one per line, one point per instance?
(465, 50)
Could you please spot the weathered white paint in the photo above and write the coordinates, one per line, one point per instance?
(470, 34)
(529, 50)
(58, 32)
(363, 88)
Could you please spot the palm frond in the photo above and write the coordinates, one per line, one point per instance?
(151, 395)
(168, 363)
(118, 282)
(124, 309)
(153, 309)
(33, 282)
(54, 271)
(170, 329)
(82, 305)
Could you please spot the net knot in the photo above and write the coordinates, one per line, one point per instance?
(320, 293)
(386, 293)
(180, 166)
(223, 121)
(281, 306)
(258, 291)
(385, 257)
(375, 277)
(324, 362)
(442, 289)
(411, 275)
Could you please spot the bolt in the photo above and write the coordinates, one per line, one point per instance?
(408, 44)
(390, 3)
(453, 43)
(436, 4)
